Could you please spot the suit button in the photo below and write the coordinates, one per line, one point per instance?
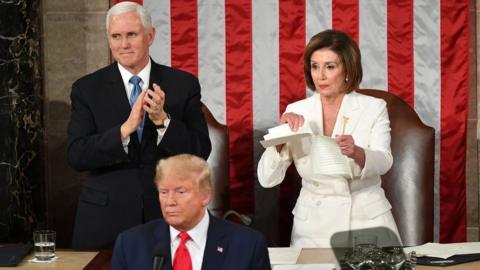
(319, 203)
(315, 184)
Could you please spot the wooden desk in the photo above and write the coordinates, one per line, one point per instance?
(71, 260)
(318, 255)
(103, 261)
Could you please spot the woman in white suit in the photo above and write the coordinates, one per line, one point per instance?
(330, 202)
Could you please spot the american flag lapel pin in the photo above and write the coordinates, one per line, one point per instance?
(220, 249)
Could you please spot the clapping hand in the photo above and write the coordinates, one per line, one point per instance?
(154, 104)
(135, 118)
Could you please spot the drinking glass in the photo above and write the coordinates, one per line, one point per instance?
(44, 244)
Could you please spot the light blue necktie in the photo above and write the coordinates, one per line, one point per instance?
(135, 80)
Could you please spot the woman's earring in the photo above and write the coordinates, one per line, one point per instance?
(346, 79)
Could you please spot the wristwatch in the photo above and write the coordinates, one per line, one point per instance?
(165, 123)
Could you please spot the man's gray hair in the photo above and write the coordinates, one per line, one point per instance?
(126, 7)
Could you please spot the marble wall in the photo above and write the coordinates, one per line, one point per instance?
(74, 44)
(21, 131)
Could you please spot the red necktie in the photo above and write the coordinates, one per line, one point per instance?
(182, 260)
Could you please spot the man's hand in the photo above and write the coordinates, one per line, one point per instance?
(153, 104)
(135, 118)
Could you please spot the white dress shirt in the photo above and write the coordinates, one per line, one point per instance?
(196, 244)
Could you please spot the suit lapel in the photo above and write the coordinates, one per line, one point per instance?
(217, 245)
(149, 129)
(316, 112)
(350, 109)
(162, 237)
(155, 75)
(117, 93)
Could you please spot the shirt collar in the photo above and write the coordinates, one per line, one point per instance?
(198, 234)
(144, 74)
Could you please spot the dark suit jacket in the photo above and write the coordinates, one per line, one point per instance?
(119, 191)
(229, 246)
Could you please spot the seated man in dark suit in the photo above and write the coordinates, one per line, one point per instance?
(191, 238)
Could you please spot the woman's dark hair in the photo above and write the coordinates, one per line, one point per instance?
(346, 49)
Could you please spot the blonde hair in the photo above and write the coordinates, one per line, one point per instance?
(186, 167)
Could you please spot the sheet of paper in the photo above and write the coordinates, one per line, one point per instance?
(284, 255)
(282, 134)
(282, 140)
(322, 266)
(284, 130)
(444, 250)
(327, 157)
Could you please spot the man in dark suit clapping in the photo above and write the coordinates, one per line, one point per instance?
(193, 239)
(125, 117)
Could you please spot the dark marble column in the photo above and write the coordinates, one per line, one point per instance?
(21, 128)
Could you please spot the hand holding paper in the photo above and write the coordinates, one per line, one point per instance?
(282, 134)
(346, 144)
(295, 121)
(326, 157)
(349, 149)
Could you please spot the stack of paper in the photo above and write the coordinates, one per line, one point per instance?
(326, 157)
(445, 250)
(316, 266)
(282, 134)
(286, 259)
(282, 255)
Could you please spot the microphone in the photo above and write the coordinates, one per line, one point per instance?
(160, 253)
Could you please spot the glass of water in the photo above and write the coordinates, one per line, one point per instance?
(44, 244)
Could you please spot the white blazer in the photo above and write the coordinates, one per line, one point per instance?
(329, 203)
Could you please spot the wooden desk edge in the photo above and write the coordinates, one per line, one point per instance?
(101, 261)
